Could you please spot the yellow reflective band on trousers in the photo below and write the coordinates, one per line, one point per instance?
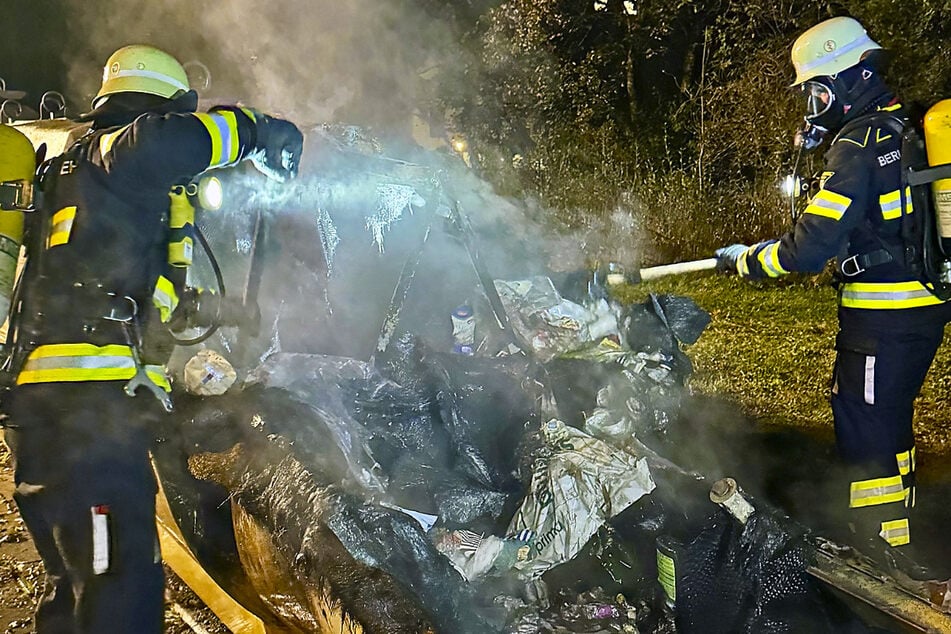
(828, 204)
(906, 461)
(61, 226)
(164, 298)
(769, 260)
(886, 295)
(222, 126)
(76, 362)
(877, 491)
(896, 532)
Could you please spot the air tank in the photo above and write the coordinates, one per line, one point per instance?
(937, 126)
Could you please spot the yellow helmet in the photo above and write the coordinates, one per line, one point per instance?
(829, 48)
(17, 166)
(141, 68)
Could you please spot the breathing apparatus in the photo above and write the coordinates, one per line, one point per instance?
(937, 137)
(831, 102)
(205, 193)
(17, 167)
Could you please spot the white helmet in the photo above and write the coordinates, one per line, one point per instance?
(143, 69)
(830, 47)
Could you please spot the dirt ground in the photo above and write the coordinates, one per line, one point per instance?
(21, 576)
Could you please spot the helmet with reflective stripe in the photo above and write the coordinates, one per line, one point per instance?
(144, 69)
(830, 47)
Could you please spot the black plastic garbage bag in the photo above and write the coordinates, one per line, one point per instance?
(661, 323)
(748, 579)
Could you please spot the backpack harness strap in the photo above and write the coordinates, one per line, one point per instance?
(859, 263)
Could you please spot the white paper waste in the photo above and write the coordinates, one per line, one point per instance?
(208, 374)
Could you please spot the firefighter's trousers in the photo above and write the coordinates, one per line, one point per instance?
(86, 491)
(882, 357)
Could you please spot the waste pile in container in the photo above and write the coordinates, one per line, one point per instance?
(431, 442)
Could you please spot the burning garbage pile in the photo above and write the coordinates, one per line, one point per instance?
(495, 464)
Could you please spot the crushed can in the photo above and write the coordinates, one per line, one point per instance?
(463, 330)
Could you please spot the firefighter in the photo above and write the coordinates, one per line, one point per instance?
(890, 325)
(99, 285)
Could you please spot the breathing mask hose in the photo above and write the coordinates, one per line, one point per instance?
(219, 279)
(794, 186)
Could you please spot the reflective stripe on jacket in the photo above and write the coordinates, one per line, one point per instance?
(886, 295)
(71, 362)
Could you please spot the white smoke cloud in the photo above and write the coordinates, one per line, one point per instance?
(341, 62)
(312, 61)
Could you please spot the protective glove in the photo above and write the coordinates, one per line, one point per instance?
(809, 137)
(727, 257)
(278, 147)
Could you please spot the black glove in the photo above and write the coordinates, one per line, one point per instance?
(278, 148)
(809, 137)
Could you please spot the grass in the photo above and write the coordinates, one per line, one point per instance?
(769, 348)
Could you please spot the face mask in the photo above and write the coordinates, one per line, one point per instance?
(823, 109)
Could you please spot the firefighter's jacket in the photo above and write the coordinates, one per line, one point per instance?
(856, 211)
(98, 249)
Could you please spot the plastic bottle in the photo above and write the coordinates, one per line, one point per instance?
(463, 330)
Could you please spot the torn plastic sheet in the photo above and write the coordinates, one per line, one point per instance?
(578, 483)
(329, 541)
(329, 239)
(392, 201)
(315, 381)
(644, 396)
(549, 324)
(426, 521)
(447, 428)
(661, 323)
(681, 315)
(431, 446)
(625, 393)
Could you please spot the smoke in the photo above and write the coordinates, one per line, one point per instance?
(374, 65)
(310, 61)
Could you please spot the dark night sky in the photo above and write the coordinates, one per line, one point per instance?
(33, 44)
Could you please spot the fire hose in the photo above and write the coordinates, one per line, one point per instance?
(654, 272)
